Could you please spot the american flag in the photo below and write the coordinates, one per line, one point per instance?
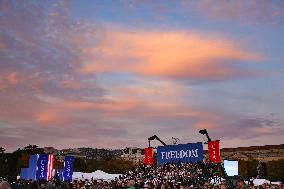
(50, 166)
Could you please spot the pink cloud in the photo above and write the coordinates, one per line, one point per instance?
(144, 100)
(8, 80)
(12, 78)
(265, 130)
(50, 117)
(169, 54)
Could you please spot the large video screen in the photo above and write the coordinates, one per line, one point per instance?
(231, 167)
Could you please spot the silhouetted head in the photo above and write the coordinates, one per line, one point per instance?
(5, 185)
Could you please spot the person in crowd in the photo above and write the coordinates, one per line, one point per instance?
(5, 185)
(131, 184)
(241, 184)
(167, 176)
(223, 185)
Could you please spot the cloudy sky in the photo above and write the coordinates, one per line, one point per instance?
(112, 73)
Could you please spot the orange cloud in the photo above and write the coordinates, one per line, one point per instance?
(147, 99)
(48, 117)
(265, 130)
(168, 54)
(8, 79)
(124, 107)
(12, 78)
(121, 105)
(65, 112)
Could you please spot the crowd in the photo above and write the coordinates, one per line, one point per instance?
(169, 176)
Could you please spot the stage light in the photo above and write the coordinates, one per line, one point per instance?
(203, 131)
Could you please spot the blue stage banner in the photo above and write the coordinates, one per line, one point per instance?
(192, 153)
(68, 168)
(32, 167)
(24, 174)
(42, 162)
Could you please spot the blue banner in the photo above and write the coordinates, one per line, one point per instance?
(42, 162)
(192, 153)
(24, 174)
(68, 168)
(32, 167)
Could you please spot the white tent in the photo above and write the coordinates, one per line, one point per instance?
(258, 182)
(97, 175)
(276, 183)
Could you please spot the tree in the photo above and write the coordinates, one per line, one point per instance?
(275, 170)
(252, 168)
(2, 150)
(243, 168)
(116, 165)
(80, 165)
(262, 170)
(31, 149)
(248, 169)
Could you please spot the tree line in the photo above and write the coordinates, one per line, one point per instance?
(11, 163)
(271, 170)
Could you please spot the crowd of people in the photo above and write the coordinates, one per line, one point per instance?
(169, 176)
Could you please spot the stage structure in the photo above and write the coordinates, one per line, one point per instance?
(41, 167)
(187, 153)
(181, 153)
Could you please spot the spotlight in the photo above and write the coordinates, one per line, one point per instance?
(204, 132)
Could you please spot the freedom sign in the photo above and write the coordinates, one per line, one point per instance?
(191, 152)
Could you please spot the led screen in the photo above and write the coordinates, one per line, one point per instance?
(231, 167)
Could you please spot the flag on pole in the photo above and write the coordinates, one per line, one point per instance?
(45, 164)
(50, 166)
(148, 160)
(68, 168)
(214, 151)
(42, 162)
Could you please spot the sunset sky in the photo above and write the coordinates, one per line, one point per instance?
(110, 74)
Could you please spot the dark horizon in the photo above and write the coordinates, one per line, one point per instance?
(224, 148)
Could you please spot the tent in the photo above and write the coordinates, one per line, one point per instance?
(97, 175)
(276, 183)
(258, 182)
